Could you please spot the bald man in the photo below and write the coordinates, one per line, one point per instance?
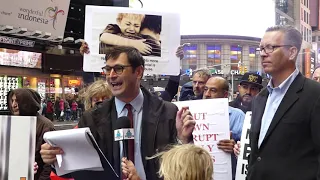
(218, 87)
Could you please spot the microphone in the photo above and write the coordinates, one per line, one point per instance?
(123, 133)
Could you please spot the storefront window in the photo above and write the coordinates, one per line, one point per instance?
(53, 88)
(30, 82)
(190, 57)
(8, 83)
(71, 84)
(235, 56)
(214, 56)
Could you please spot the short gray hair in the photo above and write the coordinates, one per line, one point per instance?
(203, 72)
(291, 35)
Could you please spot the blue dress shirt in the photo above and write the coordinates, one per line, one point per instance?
(137, 109)
(275, 97)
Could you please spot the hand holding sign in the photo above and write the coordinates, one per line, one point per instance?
(84, 48)
(236, 148)
(184, 124)
(226, 145)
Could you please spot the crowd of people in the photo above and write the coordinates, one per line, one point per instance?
(284, 135)
(61, 109)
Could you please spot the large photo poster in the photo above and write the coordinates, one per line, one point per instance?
(212, 125)
(155, 35)
(17, 147)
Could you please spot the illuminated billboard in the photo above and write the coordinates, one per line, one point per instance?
(9, 57)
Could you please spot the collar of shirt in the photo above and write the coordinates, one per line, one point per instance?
(284, 86)
(230, 110)
(136, 103)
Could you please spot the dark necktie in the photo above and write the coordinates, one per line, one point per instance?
(131, 142)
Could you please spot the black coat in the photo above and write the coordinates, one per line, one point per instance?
(237, 104)
(158, 130)
(291, 147)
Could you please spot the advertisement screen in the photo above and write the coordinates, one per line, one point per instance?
(9, 57)
(217, 17)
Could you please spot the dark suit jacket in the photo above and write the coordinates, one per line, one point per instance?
(158, 130)
(291, 147)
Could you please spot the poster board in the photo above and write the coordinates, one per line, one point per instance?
(155, 34)
(242, 165)
(17, 147)
(212, 125)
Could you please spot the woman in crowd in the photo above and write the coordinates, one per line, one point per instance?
(96, 93)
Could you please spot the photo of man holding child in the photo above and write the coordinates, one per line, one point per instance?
(136, 30)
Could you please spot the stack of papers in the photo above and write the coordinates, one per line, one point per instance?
(81, 151)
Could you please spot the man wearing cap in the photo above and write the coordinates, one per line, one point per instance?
(249, 87)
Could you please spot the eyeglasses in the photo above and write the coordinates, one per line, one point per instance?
(269, 48)
(118, 69)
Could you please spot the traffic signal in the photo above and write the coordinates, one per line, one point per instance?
(245, 69)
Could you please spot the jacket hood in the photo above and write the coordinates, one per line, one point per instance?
(29, 101)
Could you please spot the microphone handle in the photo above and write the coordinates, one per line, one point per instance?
(125, 148)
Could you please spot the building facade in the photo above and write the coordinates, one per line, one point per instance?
(297, 13)
(315, 24)
(222, 53)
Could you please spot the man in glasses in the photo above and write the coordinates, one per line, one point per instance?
(156, 123)
(173, 82)
(284, 134)
(250, 85)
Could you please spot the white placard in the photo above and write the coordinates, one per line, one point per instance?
(242, 164)
(212, 125)
(17, 147)
(109, 26)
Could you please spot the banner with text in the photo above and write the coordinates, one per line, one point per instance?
(212, 125)
(46, 15)
(156, 35)
(242, 165)
(17, 147)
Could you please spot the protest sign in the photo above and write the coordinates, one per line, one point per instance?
(242, 164)
(212, 125)
(17, 147)
(155, 34)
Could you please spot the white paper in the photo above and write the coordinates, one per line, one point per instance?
(165, 62)
(212, 125)
(242, 163)
(79, 153)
